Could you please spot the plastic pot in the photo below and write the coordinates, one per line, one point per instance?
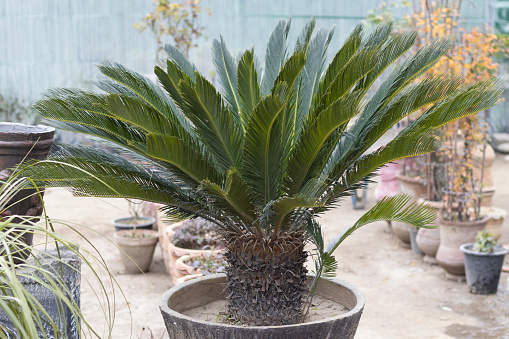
(482, 269)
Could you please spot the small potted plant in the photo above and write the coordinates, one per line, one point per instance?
(136, 240)
(196, 237)
(197, 265)
(483, 263)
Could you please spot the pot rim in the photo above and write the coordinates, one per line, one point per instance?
(150, 220)
(163, 304)
(120, 236)
(499, 250)
(485, 219)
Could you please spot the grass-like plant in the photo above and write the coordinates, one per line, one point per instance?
(268, 152)
(28, 317)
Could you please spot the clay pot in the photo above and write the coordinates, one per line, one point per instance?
(143, 223)
(19, 143)
(388, 183)
(428, 239)
(495, 227)
(171, 252)
(201, 291)
(453, 234)
(136, 251)
(188, 272)
(483, 270)
(487, 196)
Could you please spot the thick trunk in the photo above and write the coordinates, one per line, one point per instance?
(266, 278)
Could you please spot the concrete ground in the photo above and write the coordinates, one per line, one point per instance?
(405, 297)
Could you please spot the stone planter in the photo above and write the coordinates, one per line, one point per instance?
(483, 270)
(173, 252)
(143, 223)
(428, 239)
(19, 143)
(201, 291)
(136, 251)
(453, 234)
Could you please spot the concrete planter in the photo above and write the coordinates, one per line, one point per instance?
(136, 251)
(483, 270)
(201, 291)
(453, 234)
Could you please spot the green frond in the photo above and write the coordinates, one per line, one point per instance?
(187, 158)
(302, 43)
(379, 35)
(170, 79)
(176, 56)
(226, 69)
(256, 155)
(247, 85)
(275, 55)
(219, 128)
(110, 86)
(394, 208)
(315, 135)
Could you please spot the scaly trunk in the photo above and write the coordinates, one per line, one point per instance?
(266, 278)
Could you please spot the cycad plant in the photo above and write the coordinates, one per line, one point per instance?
(265, 154)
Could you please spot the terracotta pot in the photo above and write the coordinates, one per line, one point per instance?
(428, 239)
(487, 196)
(495, 227)
(453, 234)
(173, 252)
(136, 252)
(201, 291)
(19, 143)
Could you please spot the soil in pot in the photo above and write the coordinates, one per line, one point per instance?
(136, 249)
(453, 234)
(483, 269)
(129, 223)
(198, 265)
(200, 292)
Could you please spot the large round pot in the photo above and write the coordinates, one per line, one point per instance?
(483, 270)
(453, 234)
(428, 239)
(136, 249)
(201, 291)
(142, 223)
(20, 143)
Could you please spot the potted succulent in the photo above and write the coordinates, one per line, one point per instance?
(192, 266)
(483, 263)
(196, 237)
(263, 158)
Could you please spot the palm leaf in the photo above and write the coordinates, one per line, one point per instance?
(226, 69)
(275, 55)
(180, 60)
(215, 123)
(247, 85)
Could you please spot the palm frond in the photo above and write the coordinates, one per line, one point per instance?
(394, 208)
(176, 56)
(247, 85)
(226, 69)
(219, 128)
(275, 55)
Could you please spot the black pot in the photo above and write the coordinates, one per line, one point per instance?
(201, 291)
(144, 223)
(483, 269)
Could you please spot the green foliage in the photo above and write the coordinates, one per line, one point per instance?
(263, 156)
(484, 242)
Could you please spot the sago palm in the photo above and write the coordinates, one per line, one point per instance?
(268, 152)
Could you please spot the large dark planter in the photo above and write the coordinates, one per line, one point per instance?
(483, 269)
(143, 223)
(201, 291)
(19, 143)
